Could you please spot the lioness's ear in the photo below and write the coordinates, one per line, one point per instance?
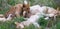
(57, 8)
(46, 10)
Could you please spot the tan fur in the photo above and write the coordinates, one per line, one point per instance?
(1, 15)
(58, 11)
(11, 11)
(55, 12)
(18, 11)
(15, 10)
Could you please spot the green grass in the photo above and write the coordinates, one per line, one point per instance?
(41, 21)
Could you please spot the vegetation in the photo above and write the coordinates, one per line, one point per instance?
(5, 5)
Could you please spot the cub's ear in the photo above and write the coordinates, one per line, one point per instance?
(57, 8)
(25, 2)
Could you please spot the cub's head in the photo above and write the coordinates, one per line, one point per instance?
(26, 8)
